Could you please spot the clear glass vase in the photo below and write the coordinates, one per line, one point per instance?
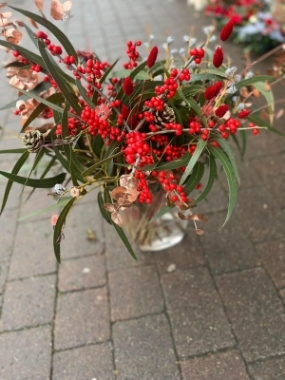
(153, 233)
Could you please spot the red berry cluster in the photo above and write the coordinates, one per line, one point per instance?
(136, 144)
(69, 60)
(183, 75)
(155, 102)
(169, 183)
(36, 68)
(95, 125)
(243, 114)
(133, 54)
(20, 58)
(198, 54)
(169, 88)
(143, 187)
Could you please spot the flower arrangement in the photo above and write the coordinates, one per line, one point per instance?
(259, 24)
(154, 127)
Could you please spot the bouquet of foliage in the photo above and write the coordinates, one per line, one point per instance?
(257, 24)
(155, 123)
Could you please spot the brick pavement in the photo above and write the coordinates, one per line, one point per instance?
(100, 315)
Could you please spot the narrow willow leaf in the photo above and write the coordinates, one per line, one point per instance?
(34, 95)
(193, 104)
(97, 145)
(268, 94)
(59, 226)
(108, 72)
(83, 93)
(198, 151)
(99, 163)
(183, 161)
(101, 207)
(19, 150)
(56, 98)
(38, 183)
(211, 179)
(9, 185)
(52, 28)
(55, 72)
(35, 58)
(120, 231)
(227, 149)
(28, 94)
(61, 203)
(231, 178)
(254, 80)
(31, 34)
(194, 178)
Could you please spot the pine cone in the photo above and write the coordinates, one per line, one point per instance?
(164, 117)
(33, 140)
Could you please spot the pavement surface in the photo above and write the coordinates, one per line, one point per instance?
(102, 316)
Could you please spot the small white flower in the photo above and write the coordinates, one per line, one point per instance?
(230, 71)
(241, 106)
(169, 40)
(59, 189)
(231, 89)
(186, 38)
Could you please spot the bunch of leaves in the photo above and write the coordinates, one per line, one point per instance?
(90, 160)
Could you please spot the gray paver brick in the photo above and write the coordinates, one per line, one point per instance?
(224, 248)
(26, 354)
(81, 219)
(144, 350)
(186, 254)
(33, 252)
(271, 369)
(255, 311)
(134, 292)
(3, 274)
(117, 255)
(84, 363)
(269, 166)
(81, 318)
(82, 273)
(7, 227)
(272, 255)
(261, 215)
(28, 303)
(221, 366)
(198, 321)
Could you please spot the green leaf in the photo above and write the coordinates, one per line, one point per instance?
(32, 94)
(268, 94)
(227, 149)
(227, 166)
(124, 239)
(56, 98)
(183, 161)
(198, 151)
(100, 163)
(35, 58)
(59, 226)
(194, 178)
(97, 145)
(194, 105)
(119, 230)
(55, 72)
(9, 185)
(211, 179)
(254, 80)
(19, 150)
(38, 183)
(38, 89)
(60, 203)
(102, 210)
(31, 34)
(83, 93)
(52, 28)
(108, 72)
